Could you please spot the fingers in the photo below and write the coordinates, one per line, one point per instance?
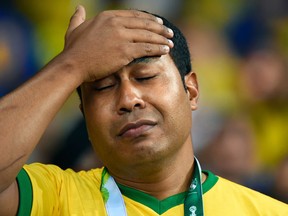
(77, 19)
(137, 33)
(144, 36)
(113, 39)
(146, 49)
(143, 23)
(136, 14)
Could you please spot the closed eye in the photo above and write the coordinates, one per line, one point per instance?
(102, 88)
(145, 78)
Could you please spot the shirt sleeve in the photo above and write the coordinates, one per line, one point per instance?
(39, 188)
(25, 194)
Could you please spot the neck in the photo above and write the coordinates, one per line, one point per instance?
(164, 181)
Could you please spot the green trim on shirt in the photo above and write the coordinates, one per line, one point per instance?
(25, 193)
(161, 206)
(210, 181)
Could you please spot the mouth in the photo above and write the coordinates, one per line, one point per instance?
(135, 129)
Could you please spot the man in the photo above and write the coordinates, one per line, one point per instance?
(137, 109)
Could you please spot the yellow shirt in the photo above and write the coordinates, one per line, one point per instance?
(48, 190)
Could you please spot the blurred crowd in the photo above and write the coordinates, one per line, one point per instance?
(240, 54)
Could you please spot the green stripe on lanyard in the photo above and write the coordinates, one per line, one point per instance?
(112, 196)
(115, 206)
(193, 204)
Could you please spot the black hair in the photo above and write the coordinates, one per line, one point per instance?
(179, 53)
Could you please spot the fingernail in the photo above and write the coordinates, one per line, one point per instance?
(159, 20)
(166, 49)
(77, 7)
(170, 42)
(170, 31)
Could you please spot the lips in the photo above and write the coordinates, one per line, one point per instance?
(136, 128)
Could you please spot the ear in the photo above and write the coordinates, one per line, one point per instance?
(192, 89)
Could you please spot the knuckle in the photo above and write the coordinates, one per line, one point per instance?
(149, 36)
(148, 48)
(113, 21)
(147, 23)
(119, 33)
(136, 13)
(104, 14)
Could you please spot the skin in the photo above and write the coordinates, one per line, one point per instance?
(150, 97)
(88, 55)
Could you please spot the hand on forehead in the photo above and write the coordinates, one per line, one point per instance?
(113, 39)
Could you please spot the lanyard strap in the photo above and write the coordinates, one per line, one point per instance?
(112, 196)
(193, 204)
(115, 206)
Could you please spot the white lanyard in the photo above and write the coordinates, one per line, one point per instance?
(115, 206)
(112, 196)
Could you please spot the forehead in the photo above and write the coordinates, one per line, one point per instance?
(145, 60)
(141, 66)
(163, 64)
(164, 61)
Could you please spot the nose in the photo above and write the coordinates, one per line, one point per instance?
(129, 98)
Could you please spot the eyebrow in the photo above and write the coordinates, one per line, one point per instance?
(145, 59)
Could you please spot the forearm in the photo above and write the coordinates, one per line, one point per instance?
(96, 48)
(26, 113)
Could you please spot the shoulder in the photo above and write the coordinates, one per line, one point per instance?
(51, 179)
(46, 188)
(38, 171)
(237, 198)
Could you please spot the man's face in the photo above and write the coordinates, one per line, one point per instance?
(138, 115)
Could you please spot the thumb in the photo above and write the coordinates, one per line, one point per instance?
(77, 19)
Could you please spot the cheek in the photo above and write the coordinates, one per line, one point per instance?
(174, 105)
(98, 127)
(98, 119)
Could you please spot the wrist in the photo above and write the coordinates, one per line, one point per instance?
(69, 68)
